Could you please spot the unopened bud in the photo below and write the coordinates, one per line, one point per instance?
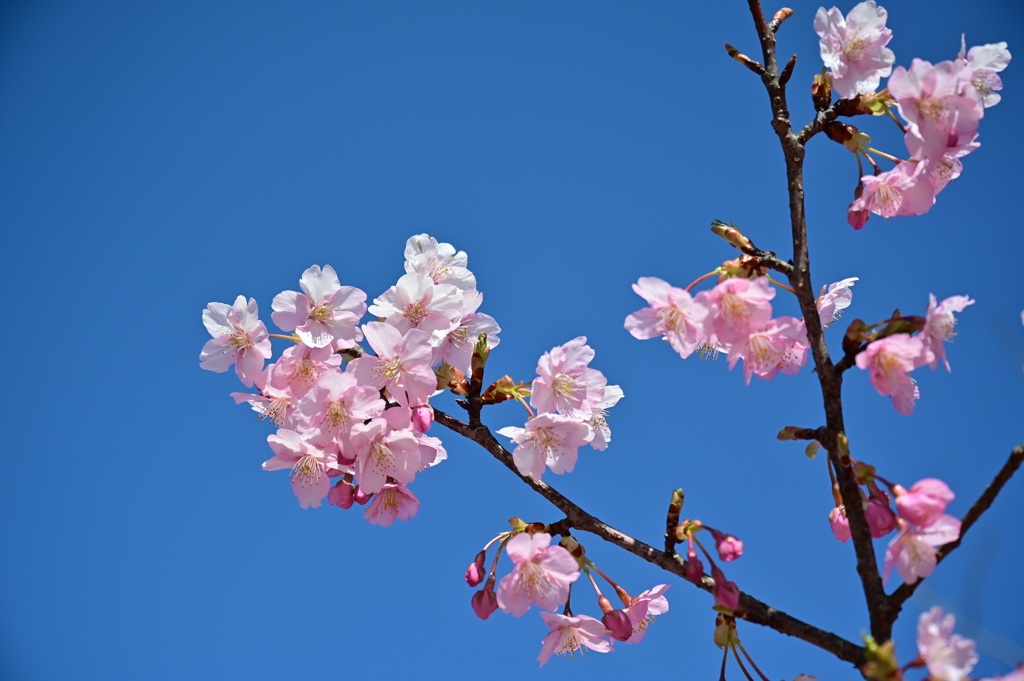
(570, 544)
(362, 497)
(619, 624)
(729, 547)
(675, 507)
(731, 234)
(726, 593)
(485, 601)
(475, 572)
(694, 568)
(422, 417)
(534, 528)
(821, 90)
(342, 495)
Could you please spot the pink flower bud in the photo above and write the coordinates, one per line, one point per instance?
(840, 525)
(618, 623)
(342, 495)
(881, 519)
(694, 568)
(362, 497)
(422, 417)
(925, 502)
(485, 601)
(729, 547)
(725, 592)
(475, 571)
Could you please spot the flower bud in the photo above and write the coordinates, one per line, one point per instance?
(422, 417)
(619, 624)
(925, 502)
(475, 572)
(726, 593)
(729, 547)
(485, 601)
(881, 519)
(840, 525)
(694, 568)
(342, 495)
(362, 497)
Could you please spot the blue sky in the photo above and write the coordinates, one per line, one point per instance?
(159, 156)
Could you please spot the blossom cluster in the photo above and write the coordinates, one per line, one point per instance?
(734, 317)
(362, 422)
(890, 360)
(543, 575)
(920, 517)
(941, 105)
(570, 400)
(946, 655)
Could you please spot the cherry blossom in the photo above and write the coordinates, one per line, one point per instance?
(832, 302)
(941, 108)
(643, 609)
(550, 440)
(541, 576)
(308, 464)
(565, 383)
(383, 454)
(327, 314)
(401, 366)
(300, 367)
(925, 502)
(673, 313)
(338, 403)
(439, 261)
(854, 47)
(456, 347)
(984, 62)
(569, 634)
(599, 418)
(890, 360)
(416, 302)
(393, 502)
(940, 325)
(738, 308)
(948, 656)
(912, 551)
(780, 346)
(904, 190)
(239, 338)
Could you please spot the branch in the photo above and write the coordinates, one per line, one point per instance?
(753, 610)
(829, 379)
(905, 591)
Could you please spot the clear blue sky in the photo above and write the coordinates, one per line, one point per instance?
(159, 156)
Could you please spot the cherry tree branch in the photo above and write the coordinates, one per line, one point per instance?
(752, 609)
(829, 378)
(905, 591)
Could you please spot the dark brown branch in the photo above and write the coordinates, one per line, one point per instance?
(753, 610)
(905, 591)
(829, 379)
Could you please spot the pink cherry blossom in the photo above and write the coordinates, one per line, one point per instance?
(401, 366)
(738, 308)
(456, 347)
(879, 516)
(541, 576)
(673, 313)
(912, 551)
(832, 302)
(854, 47)
(239, 338)
(941, 108)
(565, 383)
(925, 502)
(384, 455)
(416, 302)
(338, 403)
(307, 462)
(904, 190)
(984, 62)
(780, 346)
(569, 634)
(272, 403)
(949, 656)
(940, 325)
(393, 502)
(644, 608)
(439, 261)
(299, 368)
(327, 314)
(839, 523)
(890, 360)
(550, 440)
(599, 418)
